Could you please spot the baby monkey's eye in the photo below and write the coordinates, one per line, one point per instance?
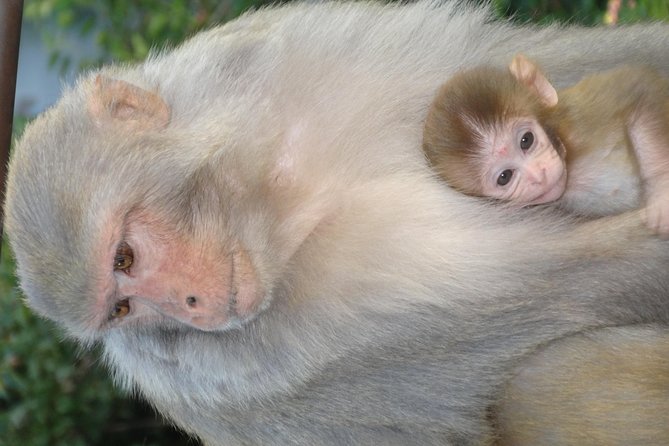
(123, 258)
(527, 140)
(504, 177)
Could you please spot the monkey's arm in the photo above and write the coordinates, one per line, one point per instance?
(649, 134)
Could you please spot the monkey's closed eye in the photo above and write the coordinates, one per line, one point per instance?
(123, 258)
(527, 140)
(504, 177)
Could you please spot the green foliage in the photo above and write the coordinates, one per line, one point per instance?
(128, 29)
(585, 12)
(638, 10)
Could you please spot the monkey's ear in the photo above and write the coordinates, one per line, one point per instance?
(120, 103)
(528, 74)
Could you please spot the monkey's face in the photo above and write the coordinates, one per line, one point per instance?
(156, 274)
(105, 240)
(521, 164)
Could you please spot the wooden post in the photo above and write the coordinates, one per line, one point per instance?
(11, 13)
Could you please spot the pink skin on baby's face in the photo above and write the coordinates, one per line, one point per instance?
(523, 166)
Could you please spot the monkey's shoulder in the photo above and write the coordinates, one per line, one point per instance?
(616, 91)
(590, 126)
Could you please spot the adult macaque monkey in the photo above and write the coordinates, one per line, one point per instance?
(248, 226)
(504, 134)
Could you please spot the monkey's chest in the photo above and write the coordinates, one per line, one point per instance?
(602, 182)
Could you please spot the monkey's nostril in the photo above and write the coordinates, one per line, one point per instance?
(191, 301)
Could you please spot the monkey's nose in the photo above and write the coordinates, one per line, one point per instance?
(538, 178)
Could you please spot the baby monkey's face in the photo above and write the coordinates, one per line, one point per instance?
(521, 164)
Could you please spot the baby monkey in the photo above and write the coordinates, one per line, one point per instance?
(600, 149)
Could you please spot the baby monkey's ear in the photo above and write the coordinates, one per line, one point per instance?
(528, 74)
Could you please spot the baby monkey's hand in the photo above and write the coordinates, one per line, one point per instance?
(657, 207)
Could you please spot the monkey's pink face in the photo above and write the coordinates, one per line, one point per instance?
(523, 166)
(154, 274)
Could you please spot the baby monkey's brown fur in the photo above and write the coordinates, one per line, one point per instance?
(610, 131)
(468, 107)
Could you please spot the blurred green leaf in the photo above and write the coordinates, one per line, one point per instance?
(586, 12)
(126, 30)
